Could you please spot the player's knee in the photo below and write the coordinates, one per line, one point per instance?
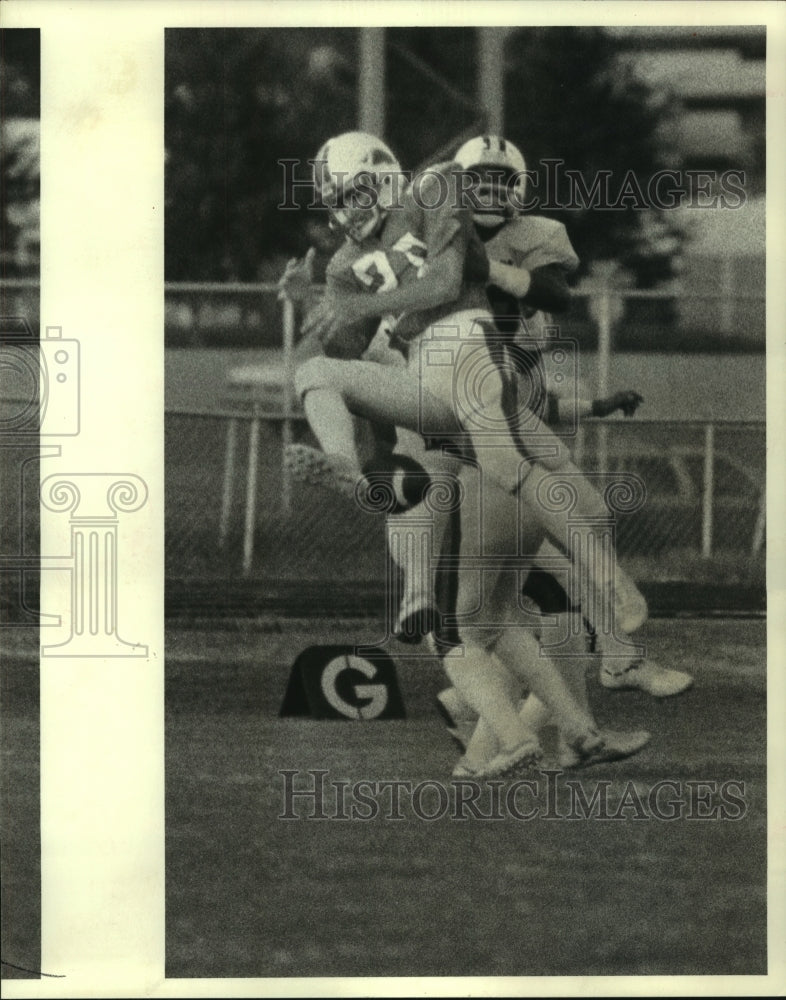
(475, 638)
(559, 461)
(316, 373)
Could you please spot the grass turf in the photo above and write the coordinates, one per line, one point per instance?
(250, 894)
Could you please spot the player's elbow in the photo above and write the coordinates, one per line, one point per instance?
(548, 289)
(560, 300)
(446, 279)
(449, 288)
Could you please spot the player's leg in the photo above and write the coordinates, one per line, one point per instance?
(535, 714)
(332, 391)
(572, 665)
(415, 537)
(477, 386)
(561, 696)
(477, 736)
(491, 628)
(618, 670)
(468, 393)
(472, 668)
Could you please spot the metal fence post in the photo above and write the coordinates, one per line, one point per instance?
(579, 445)
(229, 476)
(760, 527)
(287, 425)
(708, 495)
(251, 492)
(604, 363)
(727, 296)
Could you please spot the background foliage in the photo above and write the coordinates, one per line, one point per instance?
(237, 101)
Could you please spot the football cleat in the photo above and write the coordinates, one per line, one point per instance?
(505, 765)
(643, 675)
(609, 746)
(310, 465)
(509, 763)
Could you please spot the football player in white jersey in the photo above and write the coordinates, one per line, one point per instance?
(540, 246)
(529, 257)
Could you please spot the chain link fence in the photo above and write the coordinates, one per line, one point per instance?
(232, 516)
(230, 513)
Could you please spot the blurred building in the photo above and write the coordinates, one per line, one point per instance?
(714, 79)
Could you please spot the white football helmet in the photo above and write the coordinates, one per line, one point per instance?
(502, 179)
(357, 177)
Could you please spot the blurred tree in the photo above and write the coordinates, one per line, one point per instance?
(238, 101)
(571, 97)
(20, 97)
(20, 79)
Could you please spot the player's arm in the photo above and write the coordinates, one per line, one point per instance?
(562, 409)
(347, 342)
(543, 288)
(440, 283)
(297, 281)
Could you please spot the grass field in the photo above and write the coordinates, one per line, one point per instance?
(250, 894)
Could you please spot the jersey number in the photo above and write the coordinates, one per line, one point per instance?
(374, 270)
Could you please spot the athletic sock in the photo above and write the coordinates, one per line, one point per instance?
(484, 683)
(332, 423)
(520, 649)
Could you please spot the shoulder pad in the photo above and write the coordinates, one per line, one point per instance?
(538, 241)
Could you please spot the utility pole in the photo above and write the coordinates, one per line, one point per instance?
(371, 90)
(491, 77)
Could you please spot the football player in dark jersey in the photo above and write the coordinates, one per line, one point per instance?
(419, 259)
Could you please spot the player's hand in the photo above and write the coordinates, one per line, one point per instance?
(297, 280)
(628, 401)
(332, 315)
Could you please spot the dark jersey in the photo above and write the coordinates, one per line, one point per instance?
(428, 219)
(539, 245)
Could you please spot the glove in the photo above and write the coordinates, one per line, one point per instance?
(297, 280)
(628, 401)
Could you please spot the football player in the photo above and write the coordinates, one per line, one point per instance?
(540, 250)
(378, 271)
(529, 259)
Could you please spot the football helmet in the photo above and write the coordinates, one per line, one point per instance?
(502, 179)
(357, 177)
